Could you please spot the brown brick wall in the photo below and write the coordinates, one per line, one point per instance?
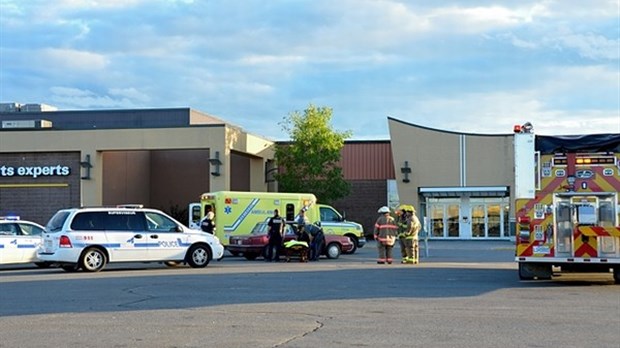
(27, 196)
(361, 204)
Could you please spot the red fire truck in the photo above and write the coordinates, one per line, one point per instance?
(566, 202)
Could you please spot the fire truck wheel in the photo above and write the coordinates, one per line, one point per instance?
(524, 273)
(530, 271)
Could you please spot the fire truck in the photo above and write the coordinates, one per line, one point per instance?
(566, 203)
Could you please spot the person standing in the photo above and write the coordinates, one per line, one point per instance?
(318, 238)
(207, 224)
(385, 235)
(301, 218)
(276, 235)
(404, 226)
(412, 238)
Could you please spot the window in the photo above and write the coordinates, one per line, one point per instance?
(8, 229)
(124, 221)
(328, 215)
(57, 221)
(160, 223)
(89, 221)
(30, 230)
(586, 214)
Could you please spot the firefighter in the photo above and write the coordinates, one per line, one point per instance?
(403, 226)
(411, 238)
(385, 235)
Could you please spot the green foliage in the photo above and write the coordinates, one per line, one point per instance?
(309, 162)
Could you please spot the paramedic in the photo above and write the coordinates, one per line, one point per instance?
(385, 235)
(207, 224)
(276, 235)
(318, 238)
(301, 219)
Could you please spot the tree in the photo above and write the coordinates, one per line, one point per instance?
(308, 163)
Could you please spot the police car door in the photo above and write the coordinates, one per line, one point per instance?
(10, 242)
(166, 242)
(126, 237)
(30, 236)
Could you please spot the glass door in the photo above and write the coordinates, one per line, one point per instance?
(494, 220)
(436, 215)
(453, 218)
(478, 221)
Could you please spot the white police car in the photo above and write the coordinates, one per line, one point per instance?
(89, 238)
(19, 240)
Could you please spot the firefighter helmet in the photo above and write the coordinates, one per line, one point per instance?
(383, 210)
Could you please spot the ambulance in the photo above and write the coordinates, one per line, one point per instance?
(566, 202)
(236, 213)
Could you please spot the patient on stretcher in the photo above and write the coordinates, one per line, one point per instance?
(298, 246)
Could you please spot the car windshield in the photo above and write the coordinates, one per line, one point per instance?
(57, 221)
(262, 228)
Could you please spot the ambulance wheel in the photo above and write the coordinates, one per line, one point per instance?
(93, 260)
(354, 240)
(198, 256)
(332, 251)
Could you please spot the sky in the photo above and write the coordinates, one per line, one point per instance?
(470, 66)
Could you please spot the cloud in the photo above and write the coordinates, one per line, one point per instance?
(74, 98)
(57, 58)
(477, 65)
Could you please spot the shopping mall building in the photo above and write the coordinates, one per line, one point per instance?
(461, 183)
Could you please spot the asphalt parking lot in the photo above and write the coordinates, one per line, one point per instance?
(464, 294)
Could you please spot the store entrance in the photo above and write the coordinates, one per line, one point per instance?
(468, 218)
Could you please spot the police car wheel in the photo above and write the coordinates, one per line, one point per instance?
(332, 251)
(198, 256)
(172, 264)
(70, 268)
(93, 260)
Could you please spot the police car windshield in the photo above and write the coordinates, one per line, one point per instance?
(57, 221)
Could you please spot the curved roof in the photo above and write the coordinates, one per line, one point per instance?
(447, 131)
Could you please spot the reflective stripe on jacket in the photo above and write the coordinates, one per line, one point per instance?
(384, 227)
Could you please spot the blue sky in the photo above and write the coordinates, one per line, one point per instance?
(475, 66)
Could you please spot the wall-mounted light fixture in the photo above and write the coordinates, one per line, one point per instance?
(406, 170)
(270, 170)
(86, 165)
(216, 163)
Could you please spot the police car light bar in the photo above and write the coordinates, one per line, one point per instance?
(10, 217)
(131, 206)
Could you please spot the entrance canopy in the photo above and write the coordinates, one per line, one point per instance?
(459, 191)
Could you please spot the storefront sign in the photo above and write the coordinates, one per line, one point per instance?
(35, 171)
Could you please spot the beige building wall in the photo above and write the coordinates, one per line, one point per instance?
(440, 158)
(489, 160)
(95, 143)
